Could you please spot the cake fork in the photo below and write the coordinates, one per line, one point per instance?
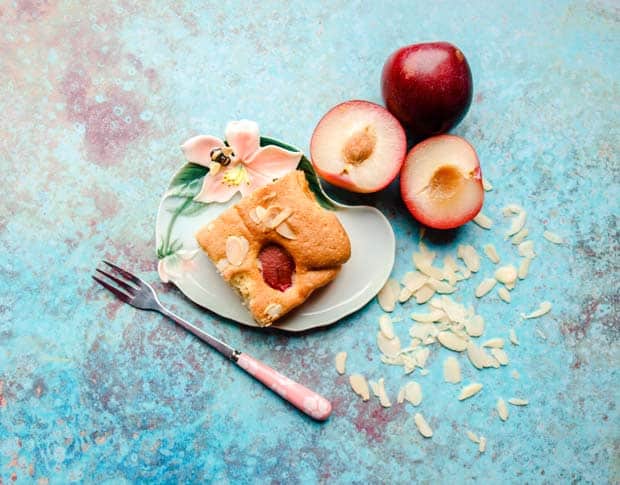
(133, 290)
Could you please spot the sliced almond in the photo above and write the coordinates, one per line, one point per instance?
(401, 395)
(519, 237)
(491, 253)
(511, 209)
(485, 286)
(421, 356)
(526, 249)
(274, 310)
(504, 294)
(413, 393)
(506, 274)
(286, 231)
(414, 280)
(515, 374)
(386, 327)
(513, 337)
(451, 370)
(388, 295)
(486, 185)
(276, 215)
(378, 389)
(341, 359)
(405, 294)
(451, 341)
(389, 347)
(472, 437)
(543, 309)
(261, 212)
(474, 326)
(476, 356)
(502, 409)
(483, 221)
(497, 343)
(440, 286)
(236, 249)
(424, 294)
(433, 316)
(524, 268)
(470, 390)
(222, 264)
(518, 402)
(553, 237)
(254, 216)
(482, 446)
(500, 355)
(517, 224)
(469, 256)
(360, 386)
(423, 427)
(455, 311)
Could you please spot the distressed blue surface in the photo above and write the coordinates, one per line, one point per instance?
(95, 103)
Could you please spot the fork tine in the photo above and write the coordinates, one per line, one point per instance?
(128, 288)
(119, 294)
(125, 273)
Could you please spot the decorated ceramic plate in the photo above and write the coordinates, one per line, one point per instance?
(191, 202)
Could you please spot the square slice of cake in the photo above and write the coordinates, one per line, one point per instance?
(276, 246)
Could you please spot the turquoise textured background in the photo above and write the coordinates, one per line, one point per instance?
(96, 99)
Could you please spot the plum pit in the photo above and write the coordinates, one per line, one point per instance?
(445, 182)
(360, 145)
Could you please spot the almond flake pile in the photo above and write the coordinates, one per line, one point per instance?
(446, 322)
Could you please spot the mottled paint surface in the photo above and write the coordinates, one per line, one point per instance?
(95, 102)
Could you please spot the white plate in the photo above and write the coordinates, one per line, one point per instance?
(361, 278)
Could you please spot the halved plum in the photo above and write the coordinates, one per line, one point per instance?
(441, 182)
(359, 146)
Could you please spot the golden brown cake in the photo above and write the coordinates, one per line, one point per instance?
(276, 246)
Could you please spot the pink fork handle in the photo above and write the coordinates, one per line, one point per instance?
(311, 403)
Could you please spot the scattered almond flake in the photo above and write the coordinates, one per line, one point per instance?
(274, 310)
(451, 370)
(424, 294)
(500, 355)
(524, 268)
(483, 221)
(360, 386)
(414, 280)
(515, 375)
(526, 249)
(543, 309)
(392, 359)
(486, 185)
(423, 427)
(485, 286)
(431, 271)
(389, 347)
(511, 285)
(473, 437)
(502, 409)
(388, 295)
(476, 355)
(413, 393)
(504, 294)
(254, 216)
(404, 295)
(236, 249)
(497, 343)
(540, 333)
(424, 372)
(470, 390)
(433, 316)
(513, 337)
(491, 253)
(421, 356)
(451, 341)
(276, 215)
(511, 209)
(286, 231)
(455, 311)
(341, 359)
(386, 327)
(261, 212)
(482, 446)
(553, 237)
(515, 401)
(463, 274)
(379, 391)
(517, 223)
(491, 362)
(506, 274)
(401, 395)
(436, 303)
(474, 326)
(424, 258)
(421, 331)
(470, 257)
(519, 237)
(222, 264)
(440, 286)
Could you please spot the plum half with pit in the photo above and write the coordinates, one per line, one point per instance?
(358, 146)
(441, 182)
(428, 87)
